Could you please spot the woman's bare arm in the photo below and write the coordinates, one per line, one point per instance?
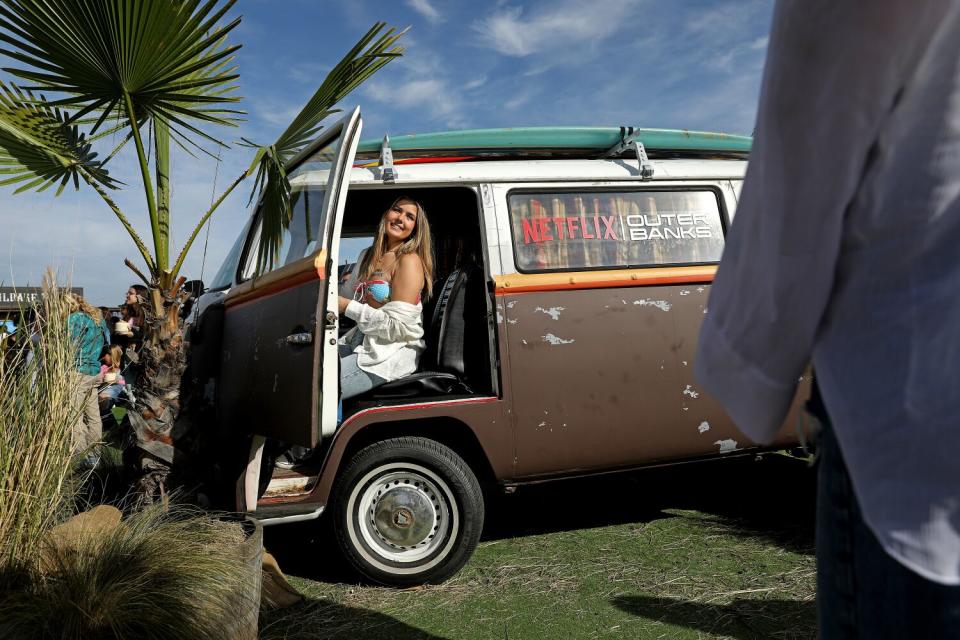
(408, 280)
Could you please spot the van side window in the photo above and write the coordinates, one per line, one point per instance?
(614, 229)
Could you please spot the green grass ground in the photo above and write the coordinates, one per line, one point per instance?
(716, 550)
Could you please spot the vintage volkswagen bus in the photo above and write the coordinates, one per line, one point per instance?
(573, 267)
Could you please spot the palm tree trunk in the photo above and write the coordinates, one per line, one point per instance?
(164, 439)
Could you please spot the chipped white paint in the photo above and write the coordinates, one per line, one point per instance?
(554, 340)
(553, 312)
(684, 292)
(663, 305)
(623, 301)
(511, 304)
(703, 427)
(690, 391)
(700, 289)
(542, 424)
(512, 321)
(686, 408)
(684, 362)
(499, 318)
(523, 341)
(726, 446)
(704, 311)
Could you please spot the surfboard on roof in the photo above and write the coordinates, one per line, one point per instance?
(552, 142)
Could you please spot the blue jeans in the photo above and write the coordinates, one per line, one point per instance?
(354, 380)
(862, 592)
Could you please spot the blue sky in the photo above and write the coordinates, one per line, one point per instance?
(692, 64)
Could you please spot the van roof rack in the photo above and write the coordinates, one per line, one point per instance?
(555, 142)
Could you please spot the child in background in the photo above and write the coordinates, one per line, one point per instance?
(111, 377)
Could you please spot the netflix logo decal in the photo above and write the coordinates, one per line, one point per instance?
(631, 228)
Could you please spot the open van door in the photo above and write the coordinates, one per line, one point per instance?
(280, 323)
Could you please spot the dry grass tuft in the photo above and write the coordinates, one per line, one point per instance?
(158, 574)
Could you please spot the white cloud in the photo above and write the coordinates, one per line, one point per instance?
(725, 38)
(427, 10)
(730, 16)
(519, 101)
(434, 95)
(278, 113)
(476, 83)
(308, 72)
(559, 26)
(421, 86)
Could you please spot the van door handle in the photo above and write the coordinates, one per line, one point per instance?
(300, 338)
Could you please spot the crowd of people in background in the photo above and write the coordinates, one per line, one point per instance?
(106, 369)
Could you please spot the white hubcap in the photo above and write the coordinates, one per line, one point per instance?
(404, 514)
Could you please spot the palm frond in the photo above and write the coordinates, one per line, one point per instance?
(39, 148)
(171, 58)
(375, 49)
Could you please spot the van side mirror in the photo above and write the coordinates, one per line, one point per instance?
(194, 288)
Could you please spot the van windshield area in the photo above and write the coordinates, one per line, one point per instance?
(615, 229)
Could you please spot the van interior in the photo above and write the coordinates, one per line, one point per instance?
(458, 318)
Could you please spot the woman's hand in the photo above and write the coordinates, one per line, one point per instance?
(342, 304)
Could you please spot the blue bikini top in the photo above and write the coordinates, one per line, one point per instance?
(379, 290)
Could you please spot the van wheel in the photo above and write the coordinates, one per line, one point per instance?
(407, 511)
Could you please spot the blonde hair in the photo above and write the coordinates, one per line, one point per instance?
(76, 302)
(419, 243)
(116, 356)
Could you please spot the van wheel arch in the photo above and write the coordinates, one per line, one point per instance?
(449, 432)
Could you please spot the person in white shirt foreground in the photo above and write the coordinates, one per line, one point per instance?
(845, 251)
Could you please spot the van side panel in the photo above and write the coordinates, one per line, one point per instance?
(603, 378)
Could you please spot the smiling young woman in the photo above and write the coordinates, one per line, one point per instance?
(388, 339)
(387, 342)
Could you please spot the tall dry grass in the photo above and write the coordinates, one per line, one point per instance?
(38, 407)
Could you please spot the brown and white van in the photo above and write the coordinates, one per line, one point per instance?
(573, 267)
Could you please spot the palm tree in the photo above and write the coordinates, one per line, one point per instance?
(157, 72)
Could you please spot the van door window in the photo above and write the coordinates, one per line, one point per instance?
(554, 231)
(308, 215)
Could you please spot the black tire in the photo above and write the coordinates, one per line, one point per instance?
(421, 507)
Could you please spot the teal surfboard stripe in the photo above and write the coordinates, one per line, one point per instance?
(531, 138)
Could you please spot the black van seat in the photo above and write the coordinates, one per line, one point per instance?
(442, 363)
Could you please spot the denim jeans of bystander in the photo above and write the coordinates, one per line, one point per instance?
(863, 592)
